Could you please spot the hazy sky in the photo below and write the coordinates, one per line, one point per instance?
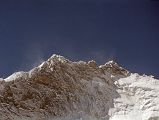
(124, 30)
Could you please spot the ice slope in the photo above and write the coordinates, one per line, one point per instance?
(60, 89)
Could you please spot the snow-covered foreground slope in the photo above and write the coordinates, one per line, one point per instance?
(139, 99)
(60, 89)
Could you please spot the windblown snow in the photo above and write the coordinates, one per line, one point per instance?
(60, 89)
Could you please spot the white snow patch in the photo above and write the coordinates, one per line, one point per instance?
(139, 99)
(14, 76)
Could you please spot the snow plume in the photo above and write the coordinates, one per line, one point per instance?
(34, 56)
(103, 56)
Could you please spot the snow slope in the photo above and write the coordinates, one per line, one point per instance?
(60, 89)
(139, 99)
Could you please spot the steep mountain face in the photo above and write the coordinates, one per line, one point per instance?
(60, 89)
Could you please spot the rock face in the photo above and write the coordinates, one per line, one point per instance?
(60, 89)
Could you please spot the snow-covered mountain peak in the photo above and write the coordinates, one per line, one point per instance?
(56, 57)
(111, 62)
(54, 60)
(114, 68)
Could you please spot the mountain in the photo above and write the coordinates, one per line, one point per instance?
(60, 89)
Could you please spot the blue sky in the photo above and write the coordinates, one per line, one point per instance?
(124, 30)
